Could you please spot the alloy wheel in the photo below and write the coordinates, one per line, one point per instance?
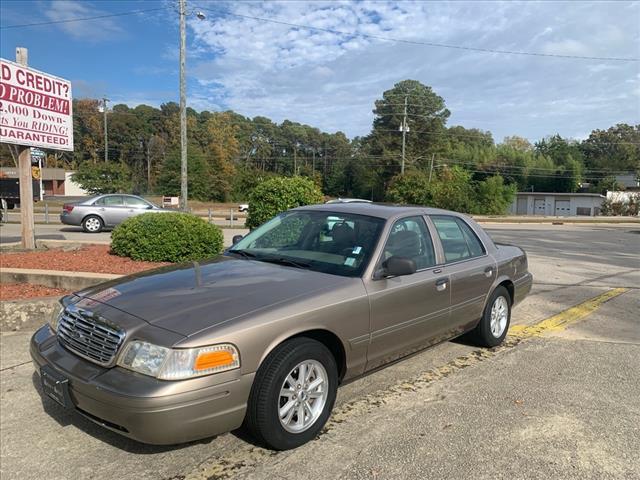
(303, 396)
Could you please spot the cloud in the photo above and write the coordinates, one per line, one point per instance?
(331, 80)
(91, 31)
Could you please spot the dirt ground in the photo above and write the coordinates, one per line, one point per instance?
(22, 291)
(92, 258)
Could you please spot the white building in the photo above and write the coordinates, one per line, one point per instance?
(557, 204)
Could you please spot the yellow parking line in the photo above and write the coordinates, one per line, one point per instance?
(563, 319)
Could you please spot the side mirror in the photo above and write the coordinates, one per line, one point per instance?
(149, 207)
(397, 267)
(236, 239)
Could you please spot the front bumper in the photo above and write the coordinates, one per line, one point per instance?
(144, 408)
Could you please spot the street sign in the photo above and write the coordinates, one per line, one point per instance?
(35, 108)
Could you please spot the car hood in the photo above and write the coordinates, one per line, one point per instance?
(189, 298)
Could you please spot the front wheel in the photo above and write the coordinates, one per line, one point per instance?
(293, 394)
(494, 324)
(92, 224)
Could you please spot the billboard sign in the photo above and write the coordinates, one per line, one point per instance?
(35, 108)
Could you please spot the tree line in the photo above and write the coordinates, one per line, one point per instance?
(229, 154)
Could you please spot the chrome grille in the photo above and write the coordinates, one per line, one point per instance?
(88, 337)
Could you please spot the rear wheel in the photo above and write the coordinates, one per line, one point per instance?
(494, 324)
(293, 394)
(92, 224)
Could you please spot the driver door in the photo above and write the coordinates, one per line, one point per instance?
(407, 312)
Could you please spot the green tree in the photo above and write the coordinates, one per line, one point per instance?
(426, 119)
(616, 149)
(493, 197)
(199, 181)
(100, 178)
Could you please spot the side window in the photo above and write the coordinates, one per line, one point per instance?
(113, 201)
(475, 246)
(410, 238)
(458, 240)
(135, 202)
(109, 201)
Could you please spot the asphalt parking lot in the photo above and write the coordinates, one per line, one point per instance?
(561, 399)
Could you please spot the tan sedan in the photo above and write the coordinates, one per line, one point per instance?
(264, 334)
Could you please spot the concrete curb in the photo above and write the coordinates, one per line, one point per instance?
(55, 279)
(25, 314)
(44, 243)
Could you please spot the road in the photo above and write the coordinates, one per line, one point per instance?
(10, 233)
(562, 404)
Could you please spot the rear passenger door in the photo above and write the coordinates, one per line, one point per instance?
(471, 270)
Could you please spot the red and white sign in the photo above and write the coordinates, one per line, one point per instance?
(35, 108)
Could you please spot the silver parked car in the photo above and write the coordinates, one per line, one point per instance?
(105, 211)
(264, 334)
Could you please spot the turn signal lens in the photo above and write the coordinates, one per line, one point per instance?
(215, 359)
(180, 363)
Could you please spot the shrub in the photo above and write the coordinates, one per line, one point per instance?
(452, 189)
(166, 237)
(412, 188)
(279, 194)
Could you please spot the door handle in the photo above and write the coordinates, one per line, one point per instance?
(488, 272)
(101, 209)
(441, 284)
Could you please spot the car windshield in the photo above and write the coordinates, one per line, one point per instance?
(329, 242)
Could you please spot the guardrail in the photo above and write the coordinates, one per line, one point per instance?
(50, 215)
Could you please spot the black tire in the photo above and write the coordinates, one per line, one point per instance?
(483, 333)
(89, 221)
(262, 417)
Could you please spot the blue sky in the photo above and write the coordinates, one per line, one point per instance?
(330, 80)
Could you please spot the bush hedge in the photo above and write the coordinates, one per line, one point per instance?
(279, 194)
(166, 237)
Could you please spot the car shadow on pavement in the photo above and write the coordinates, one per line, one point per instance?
(67, 417)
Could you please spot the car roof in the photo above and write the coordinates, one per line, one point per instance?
(380, 210)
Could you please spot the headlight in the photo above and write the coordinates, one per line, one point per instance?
(178, 364)
(54, 316)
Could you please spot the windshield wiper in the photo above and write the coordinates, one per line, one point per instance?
(243, 253)
(285, 261)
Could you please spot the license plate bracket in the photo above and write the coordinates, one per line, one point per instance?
(55, 386)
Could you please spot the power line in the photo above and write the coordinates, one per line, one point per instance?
(478, 135)
(82, 19)
(417, 42)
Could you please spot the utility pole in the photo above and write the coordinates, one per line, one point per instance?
(183, 107)
(431, 167)
(404, 128)
(106, 135)
(295, 160)
(149, 165)
(26, 183)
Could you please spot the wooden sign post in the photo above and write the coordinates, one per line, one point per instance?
(26, 183)
(36, 110)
